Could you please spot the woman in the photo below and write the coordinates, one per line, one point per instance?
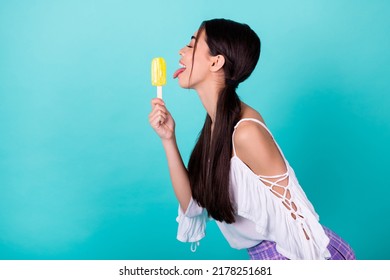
(237, 174)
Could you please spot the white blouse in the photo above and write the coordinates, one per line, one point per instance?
(263, 212)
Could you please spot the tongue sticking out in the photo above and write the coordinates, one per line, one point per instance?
(178, 72)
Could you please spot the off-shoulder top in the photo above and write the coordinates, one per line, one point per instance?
(265, 210)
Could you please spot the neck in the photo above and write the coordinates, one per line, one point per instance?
(209, 99)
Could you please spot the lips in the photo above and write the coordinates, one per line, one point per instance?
(179, 71)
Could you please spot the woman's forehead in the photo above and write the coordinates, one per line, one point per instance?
(198, 34)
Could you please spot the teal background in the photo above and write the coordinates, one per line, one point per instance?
(82, 174)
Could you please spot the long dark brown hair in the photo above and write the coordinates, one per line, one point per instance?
(209, 163)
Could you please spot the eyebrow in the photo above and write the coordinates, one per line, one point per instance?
(193, 37)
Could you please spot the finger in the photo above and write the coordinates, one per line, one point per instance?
(160, 115)
(157, 112)
(154, 122)
(157, 121)
(157, 101)
(160, 107)
(157, 109)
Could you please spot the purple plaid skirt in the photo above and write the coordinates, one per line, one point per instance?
(338, 248)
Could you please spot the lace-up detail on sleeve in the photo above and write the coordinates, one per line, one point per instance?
(284, 194)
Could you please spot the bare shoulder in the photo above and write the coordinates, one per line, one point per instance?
(251, 136)
(255, 146)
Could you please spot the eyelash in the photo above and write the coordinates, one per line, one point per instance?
(188, 46)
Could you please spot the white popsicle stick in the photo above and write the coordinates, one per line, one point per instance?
(159, 92)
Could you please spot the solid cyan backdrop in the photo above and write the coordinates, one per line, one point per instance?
(82, 174)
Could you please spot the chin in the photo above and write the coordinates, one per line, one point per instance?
(184, 84)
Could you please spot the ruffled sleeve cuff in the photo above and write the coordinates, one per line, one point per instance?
(192, 223)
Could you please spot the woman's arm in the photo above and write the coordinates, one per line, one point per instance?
(162, 122)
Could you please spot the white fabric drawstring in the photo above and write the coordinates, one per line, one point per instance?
(194, 245)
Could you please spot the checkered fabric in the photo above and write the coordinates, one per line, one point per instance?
(338, 248)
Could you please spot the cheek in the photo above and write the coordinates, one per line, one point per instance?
(200, 68)
(199, 62)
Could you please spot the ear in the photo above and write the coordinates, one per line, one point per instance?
(217, 62)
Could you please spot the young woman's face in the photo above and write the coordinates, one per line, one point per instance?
(199, 63)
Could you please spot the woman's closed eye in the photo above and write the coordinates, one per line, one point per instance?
(193, 38)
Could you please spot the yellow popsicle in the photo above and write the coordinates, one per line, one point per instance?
(159, 74)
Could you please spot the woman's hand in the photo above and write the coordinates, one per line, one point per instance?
(161, 120)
